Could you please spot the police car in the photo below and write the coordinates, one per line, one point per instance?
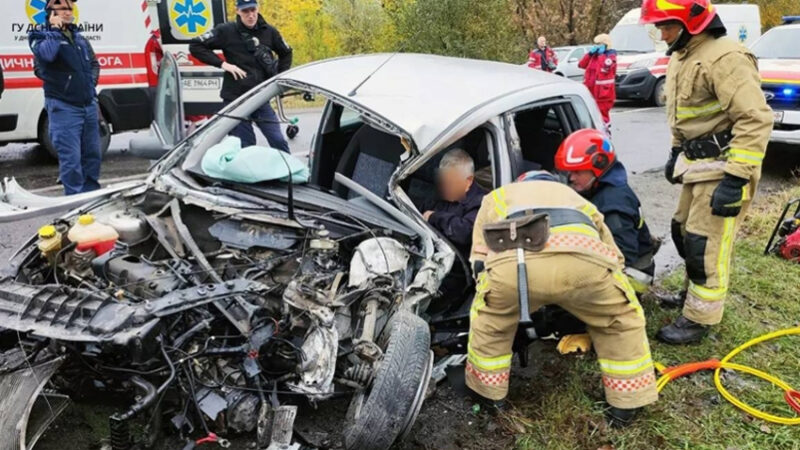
(129, 38)
(779, 63)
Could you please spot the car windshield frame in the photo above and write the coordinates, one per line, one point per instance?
(777, 43)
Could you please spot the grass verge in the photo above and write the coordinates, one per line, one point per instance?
(563, 403)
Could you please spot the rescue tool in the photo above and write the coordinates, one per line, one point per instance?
(787, 232)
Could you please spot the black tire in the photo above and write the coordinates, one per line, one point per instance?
(659, 96)
(44, 137)
(395, 396)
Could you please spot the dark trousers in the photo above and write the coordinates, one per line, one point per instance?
(267, 121)
(75, 133)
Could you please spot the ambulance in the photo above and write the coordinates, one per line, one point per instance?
(642, 61)
(778, 55)
(129, 38)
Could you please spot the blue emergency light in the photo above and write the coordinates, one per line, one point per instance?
(788, 92)
(790, 19)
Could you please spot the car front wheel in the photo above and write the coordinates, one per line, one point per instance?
(388, 408)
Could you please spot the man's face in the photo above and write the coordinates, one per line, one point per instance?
(581, 180)
(542, 42)
(670, 31)
(63, 9)
(453, 185)
(249, 16)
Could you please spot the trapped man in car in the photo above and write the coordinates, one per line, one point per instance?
(460, 199)
(249, 46)
(65, 61)
(590, 162)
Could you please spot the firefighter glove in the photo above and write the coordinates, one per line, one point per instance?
(728, 196)
(669, 169)
(478, 266)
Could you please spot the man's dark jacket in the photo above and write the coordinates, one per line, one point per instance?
(615, 199)
(228, 38)
(457, 219)
(67, 65)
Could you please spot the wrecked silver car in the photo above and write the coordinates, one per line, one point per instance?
(207, 306)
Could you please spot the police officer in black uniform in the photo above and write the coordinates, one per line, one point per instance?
(249, 46)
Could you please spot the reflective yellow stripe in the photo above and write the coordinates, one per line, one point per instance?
(723, 266)
(626, 367)
(577, 228)
(480, 292)
(500, 206)
(496, 363)
(589, 209)
(665, 5)
(630, 293)
(687, 112)
(745, 156)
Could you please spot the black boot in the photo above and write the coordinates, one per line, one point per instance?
(621, 418)
(670, 300)
(682, 331)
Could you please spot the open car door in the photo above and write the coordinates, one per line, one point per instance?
(168, 116)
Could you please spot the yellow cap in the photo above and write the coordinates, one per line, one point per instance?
(47, 232)
(86, 219)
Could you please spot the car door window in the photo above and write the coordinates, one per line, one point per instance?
(577, 55)
(536, 132)
(168, 114)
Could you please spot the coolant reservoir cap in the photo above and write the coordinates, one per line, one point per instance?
(47, 232)
(86, 219)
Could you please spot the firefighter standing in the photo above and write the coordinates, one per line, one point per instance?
(579, 269)
(601, 70)
(720, 125)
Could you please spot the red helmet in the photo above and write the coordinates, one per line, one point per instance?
(587, 149)
(695, 15)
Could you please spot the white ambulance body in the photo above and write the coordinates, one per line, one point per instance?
(128, 37)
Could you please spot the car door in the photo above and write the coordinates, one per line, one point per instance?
(168, 115)
(574, 72)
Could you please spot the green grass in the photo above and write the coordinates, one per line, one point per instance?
(564, 410)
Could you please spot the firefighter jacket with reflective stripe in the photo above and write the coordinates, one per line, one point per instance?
(593, 243)
(713, 85)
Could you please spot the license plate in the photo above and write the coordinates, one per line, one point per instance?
(203, 84)
(778, 116)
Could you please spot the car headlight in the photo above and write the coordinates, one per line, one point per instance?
(644, 63)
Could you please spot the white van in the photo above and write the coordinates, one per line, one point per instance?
(642, 63)
(129, 38)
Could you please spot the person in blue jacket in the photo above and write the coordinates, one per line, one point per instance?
(589, 160)
(460, 199)
(66, 63)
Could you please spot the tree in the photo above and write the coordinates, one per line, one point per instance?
(472, 29)
(772, 11)
(570, 22)
(362, 26)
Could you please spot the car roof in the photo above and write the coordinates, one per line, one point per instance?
(424, 95)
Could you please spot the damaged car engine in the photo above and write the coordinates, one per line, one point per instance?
(202, 322)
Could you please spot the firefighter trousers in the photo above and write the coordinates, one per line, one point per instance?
(600, 297)
(705, 242)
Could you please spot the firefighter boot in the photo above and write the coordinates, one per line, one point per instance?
(671, 300)
(621, 418)
(682, 331)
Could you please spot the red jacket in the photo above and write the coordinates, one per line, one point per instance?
(535, 59)
(601, 70)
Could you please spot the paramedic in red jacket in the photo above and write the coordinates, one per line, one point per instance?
(601, 69)
(543, 57)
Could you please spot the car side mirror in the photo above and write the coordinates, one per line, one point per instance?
(147, 147)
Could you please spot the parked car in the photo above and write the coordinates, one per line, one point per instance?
(568, 59)
(779, 65)
(241, 299)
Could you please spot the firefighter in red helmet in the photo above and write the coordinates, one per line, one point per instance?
(720, 126)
